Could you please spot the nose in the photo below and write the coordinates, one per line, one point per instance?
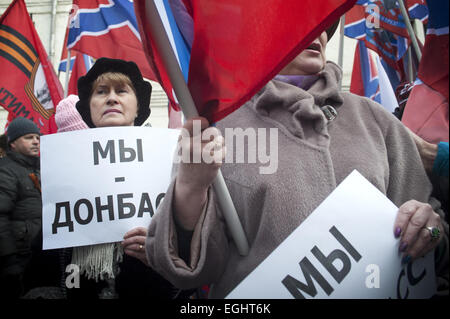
(112, 98)
(36, 140)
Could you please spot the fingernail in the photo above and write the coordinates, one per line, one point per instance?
(398, 231)
(406, 260)
(402, 247)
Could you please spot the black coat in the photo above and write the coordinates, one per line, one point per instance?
(20, 211)
(23, 264)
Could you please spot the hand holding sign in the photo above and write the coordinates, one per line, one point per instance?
(116, 180)
(419, 227)
(134, 244)
(335, 259)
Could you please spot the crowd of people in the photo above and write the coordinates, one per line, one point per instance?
(325, 135)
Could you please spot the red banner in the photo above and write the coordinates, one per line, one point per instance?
(240, 45)
(29, 86)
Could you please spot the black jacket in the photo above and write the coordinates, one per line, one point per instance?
(20, 212)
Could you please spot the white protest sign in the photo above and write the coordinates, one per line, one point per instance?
(97, 184)
(344, 249)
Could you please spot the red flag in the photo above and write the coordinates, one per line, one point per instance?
(434, 65)
(240, 45)
(426, 112)
(78, 70)
(29, 86)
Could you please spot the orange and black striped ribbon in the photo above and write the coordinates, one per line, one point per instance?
(17, 49)
(35, 180)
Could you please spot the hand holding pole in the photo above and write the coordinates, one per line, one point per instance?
(189, 111)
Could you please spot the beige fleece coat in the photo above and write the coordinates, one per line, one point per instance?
(314, 157)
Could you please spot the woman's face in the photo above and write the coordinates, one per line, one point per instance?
(311, 60)
(113, 103)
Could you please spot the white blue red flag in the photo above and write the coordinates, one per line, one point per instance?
(63, 63)
(82, 64)
(387, 94)
(107, 28)
(394, 76)
(391, 18)
(365, 80)
(88, 61)
(178, 24)
(238, 46)
(387, 15)
(370, 79)
(390, 46)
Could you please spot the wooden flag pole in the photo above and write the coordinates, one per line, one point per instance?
(341, 47)
(411, 76)
(189, 111)
(67, 74)
(410, 29)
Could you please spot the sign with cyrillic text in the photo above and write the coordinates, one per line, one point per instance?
(345, 249)
(97, 184)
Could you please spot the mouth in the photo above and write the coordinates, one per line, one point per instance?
(111, 111)
(315, 47)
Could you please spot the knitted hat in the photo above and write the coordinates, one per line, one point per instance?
(19, 127)
(103, 65)
(67, 117)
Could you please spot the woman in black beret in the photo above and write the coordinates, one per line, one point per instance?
(112, 93)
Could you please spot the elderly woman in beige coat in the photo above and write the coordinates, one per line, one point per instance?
(324, 135)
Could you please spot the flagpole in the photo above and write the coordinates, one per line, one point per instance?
(409, 27)
(67, 74)
(411, 76)
(189, 111)
(341, 48)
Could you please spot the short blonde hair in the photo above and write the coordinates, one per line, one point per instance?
(114, 79)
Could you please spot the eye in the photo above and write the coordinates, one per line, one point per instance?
(101, 90)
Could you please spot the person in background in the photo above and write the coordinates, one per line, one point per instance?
(113, 93)
(26, 271)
